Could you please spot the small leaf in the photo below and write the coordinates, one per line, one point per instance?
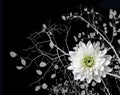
(119, 16)
(19, 67)
(13, 54)
(82, 86)
(102, 46)
(116, 22)
(63, 17)
(116, 67)
(79, 35)
(92, 35)
(83, 92)
(114, 13)
(96, 22)
(53, 76)
(96, 13)
(118, 41)
(115, 34)
(118, 30)
(42, 64)
(23, 61)
(56, 66)
(110, 24)
(92, 10)
(37, 88)
(88, 25)
(39, 72)
(83, 33)
(119, 72)
(44, 26)
(85, 9)
(75, 38)
(104, 24)
(44, 86)
(70, 14)
(51, 44)
(93, 83)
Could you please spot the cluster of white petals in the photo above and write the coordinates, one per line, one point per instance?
(89, 62)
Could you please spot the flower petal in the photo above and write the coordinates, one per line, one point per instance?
(89, 79)
(95, 71)
(108, 57)
(103, 74)
(107, 63)
(72, 53)
(90, 48)
(75, 48)
(71, 68)
(82, 45)
(102, 53)
(77, 76)
(101, 68)
(82, 77)
(89, 43)
(97, 78)
(99, 62)
(107, 69)
(97, 45)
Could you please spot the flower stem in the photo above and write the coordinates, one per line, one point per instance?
(113, 75)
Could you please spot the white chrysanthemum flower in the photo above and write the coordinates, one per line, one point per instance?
(88, 62)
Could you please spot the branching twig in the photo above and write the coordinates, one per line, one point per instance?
(94, 28)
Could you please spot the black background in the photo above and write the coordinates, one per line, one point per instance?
(22, 17)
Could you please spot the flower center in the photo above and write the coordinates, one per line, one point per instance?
(88, 61)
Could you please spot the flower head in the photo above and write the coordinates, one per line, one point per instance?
(88, 62)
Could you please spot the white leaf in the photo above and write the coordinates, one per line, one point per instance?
(116, 67)
(56, 66)
(51, 44)
(42, 64)
(88, 25)
(44, 26)
(119, 16)
(79, 35)
(114, 12)
(82, 86)
(96, 22)
(19, 67)
(44, 86)
(116, 22)
(53, 76)
(118, 41)
(83, 92)
(63, 17)
(93, 83)
(75, 38)
(115, 34)
(92, 35)
(83, 33)
(13, 54)
(85, 9)
(70, 14)
(110, 24)
(118, 30)
(92, 10)
(23, 61)
(104, 24)
(96, 13)
(102, 46)
(39, 72)
(37, 88)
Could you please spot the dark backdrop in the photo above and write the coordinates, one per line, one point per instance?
(22, 17)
